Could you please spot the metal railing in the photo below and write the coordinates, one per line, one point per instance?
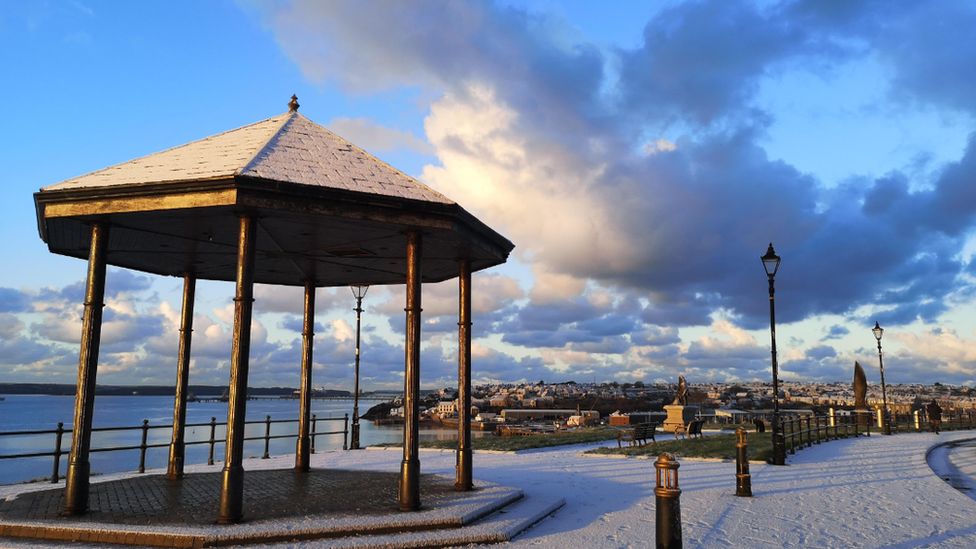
(803, 432)
(144, 445)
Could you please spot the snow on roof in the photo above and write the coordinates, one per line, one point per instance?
(286, 148)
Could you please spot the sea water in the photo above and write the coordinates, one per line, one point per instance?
(43, 412)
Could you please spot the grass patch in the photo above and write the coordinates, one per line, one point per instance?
(511, 444)
(709, 446)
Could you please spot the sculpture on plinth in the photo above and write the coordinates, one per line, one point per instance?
(680, 414)
(860, 388)
(861, 412)
(681, 397)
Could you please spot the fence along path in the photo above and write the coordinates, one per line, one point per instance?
(60, 445)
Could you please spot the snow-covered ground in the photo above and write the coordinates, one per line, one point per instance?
(865, 492)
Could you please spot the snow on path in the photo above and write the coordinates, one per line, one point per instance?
(865, 492)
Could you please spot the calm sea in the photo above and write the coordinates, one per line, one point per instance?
(43, 412)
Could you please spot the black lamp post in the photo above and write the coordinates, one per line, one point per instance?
(770, 263)
(878, 332)
(359, 292)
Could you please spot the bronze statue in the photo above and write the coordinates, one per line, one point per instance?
(860, 388)
(681, 398)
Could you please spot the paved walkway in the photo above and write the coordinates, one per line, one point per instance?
(865, 492)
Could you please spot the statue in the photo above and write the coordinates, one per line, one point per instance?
(681, 398)
(860, 388)
(679, 413)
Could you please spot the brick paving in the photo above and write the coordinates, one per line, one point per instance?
(194, 501)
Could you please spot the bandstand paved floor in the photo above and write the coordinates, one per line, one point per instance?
(279, 505)
(194, 500)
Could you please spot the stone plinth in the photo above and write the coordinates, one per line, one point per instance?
(678, 416)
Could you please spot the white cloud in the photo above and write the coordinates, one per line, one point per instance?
(377, 138)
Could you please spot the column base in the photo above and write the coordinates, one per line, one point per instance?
(231, 496)
(354, 437)
(410, 485)
(463, 481)
(76, 488)
(302, 451)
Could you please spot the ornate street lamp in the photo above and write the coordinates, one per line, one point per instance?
(878, 332)
(359, 292)
(770, 263)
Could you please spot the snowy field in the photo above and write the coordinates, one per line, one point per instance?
(865, 492)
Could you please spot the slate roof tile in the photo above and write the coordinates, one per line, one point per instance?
(288, 148)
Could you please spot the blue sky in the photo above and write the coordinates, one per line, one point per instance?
(640, 155)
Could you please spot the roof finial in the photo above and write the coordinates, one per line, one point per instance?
(293, 104)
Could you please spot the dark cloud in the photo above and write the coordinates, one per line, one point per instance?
(696, 217)
(703, 60)
(836, 331)
(118, 281)
(656, 336)
(926, 44)
(296, 324)
(14, 301)
(821, 352)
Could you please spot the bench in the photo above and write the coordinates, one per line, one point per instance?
(637, 435)
(692, 429)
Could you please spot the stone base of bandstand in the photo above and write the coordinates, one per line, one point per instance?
(348, 508)
(678, 416)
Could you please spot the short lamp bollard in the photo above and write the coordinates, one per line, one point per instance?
(918, 424)
(832, 418)
(880, 418)
(667, 503)
(743, 480)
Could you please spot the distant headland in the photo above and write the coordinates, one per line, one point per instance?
(150, 390)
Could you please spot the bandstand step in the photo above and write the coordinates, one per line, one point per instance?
(499, 527)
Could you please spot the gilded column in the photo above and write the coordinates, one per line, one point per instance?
(76, 478)
(232, 487)
(463, 480)
(410, 466)
(177, 446)
(303, 446)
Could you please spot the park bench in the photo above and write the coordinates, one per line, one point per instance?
(637, 435)
(693, 428)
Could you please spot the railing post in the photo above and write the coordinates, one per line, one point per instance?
(267, 436)
(667, 503)
(792, 437)
(142, 446)
(56, 472)
(796, 434)
(743, 481)
(345, 432)
(213, 431)
(816, 423)
(311, 435)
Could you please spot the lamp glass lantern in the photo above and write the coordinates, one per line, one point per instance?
(878, 331)
(359, 290)
(770, 261)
